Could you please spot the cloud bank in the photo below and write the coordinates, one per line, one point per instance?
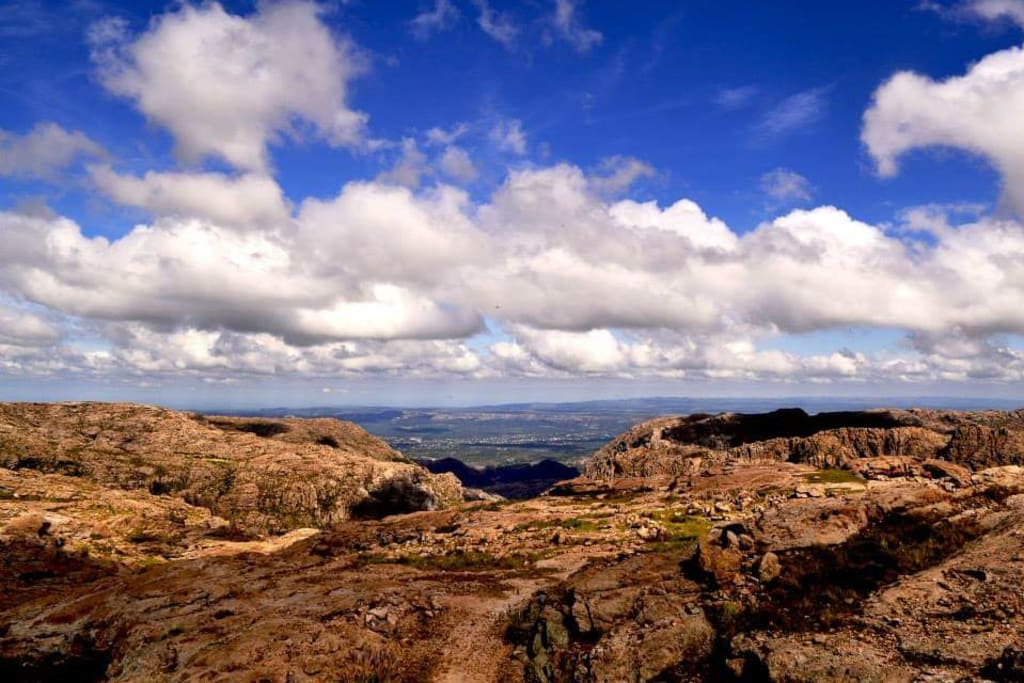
(576, 283)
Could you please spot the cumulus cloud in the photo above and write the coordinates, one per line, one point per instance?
(139, 353)
(497, 25)
(567, 25)
(455, 163)
(785, 185)
(43, 151)
(701, 356)
(433, 21)
(410, 167)
(618, 173)
(25, 328)
(440, 136)
(999, 9)
(546, 252)
(509, 136)
(580, 283)
(242, 201)
(227, 86)
(979, 112)
(363, 265)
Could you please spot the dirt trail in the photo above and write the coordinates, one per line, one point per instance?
(475, 650)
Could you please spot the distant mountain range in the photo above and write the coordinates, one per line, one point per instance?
(511, 434)
(656, 405)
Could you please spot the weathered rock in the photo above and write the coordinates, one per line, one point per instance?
(264, 475)
(720, 564)
(896, 441)
(940, 469)
(768, 567)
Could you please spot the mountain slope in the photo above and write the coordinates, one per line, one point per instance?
(263, 475)
(690, 445)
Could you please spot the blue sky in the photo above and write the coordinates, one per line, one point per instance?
(459, 193)
(649, 89)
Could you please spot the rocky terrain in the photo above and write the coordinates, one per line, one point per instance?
(260, 475)
(878, 546)
(694, 444)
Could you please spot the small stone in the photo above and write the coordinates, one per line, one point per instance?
(768, 567)
(736, 666)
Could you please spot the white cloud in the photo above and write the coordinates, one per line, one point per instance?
(999, 9)
(794, 113)
(618, 173)
(455, 163)
(440, 136)
(43, 151)
(683, 218)
(433, 21)
(410, 167)
(227, 86)
(368, 264)
(599, 352)
(220, 354)
(509, 136)
(979, 112)
(785, 185)
(25, 328)
(384, 279)
(497, 25)
(244, 200)
(567, 25)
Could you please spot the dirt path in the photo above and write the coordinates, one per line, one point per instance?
(475, 650)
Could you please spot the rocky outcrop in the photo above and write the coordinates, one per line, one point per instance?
(902, 580)
(693, 444)
(263, 476)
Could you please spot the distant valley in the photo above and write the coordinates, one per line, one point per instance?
(497, 435)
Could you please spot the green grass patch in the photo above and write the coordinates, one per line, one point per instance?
(573, 524)
(683, 530)
(834, 477)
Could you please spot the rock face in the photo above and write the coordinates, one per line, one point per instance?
(263, 476)
(693, 444)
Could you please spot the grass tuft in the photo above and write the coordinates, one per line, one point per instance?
(834, 477)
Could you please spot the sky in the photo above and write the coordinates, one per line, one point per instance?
(474, 201)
